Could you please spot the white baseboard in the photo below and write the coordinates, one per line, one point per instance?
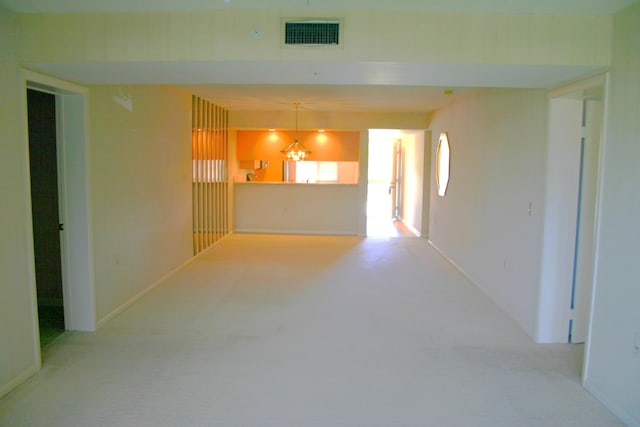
(18, 379)
(456, 266)
(612, 406)
(146, 290)
(483, 290)
(411, 228)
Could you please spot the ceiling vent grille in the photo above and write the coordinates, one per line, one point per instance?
(312, 32)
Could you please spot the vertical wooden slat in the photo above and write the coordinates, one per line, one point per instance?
(208, 108)
(214, 114)
(221, 175)
(207, 185)
(221, 182)
(200, 177)
(194, 205)
(225, 145)
(212, 128)
(210, 162)
(217, 155)
(214, 142)
(215, 183)
(205, 193)
(215, 166)
(197, 175)
(223, 166)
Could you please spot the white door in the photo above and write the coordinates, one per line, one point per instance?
(585, 230)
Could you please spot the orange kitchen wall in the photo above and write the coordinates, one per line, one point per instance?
(324, 146)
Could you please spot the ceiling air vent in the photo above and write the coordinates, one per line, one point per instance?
(312, 32)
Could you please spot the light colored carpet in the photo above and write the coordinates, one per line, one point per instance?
(309, 331)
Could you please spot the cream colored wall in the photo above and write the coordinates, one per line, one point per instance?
(435, 37)
(296, 208)
(18, 342)
(498, 154)
(327, 120)
(613, 364)
(413, 147)
(426, 185)
(141, 188)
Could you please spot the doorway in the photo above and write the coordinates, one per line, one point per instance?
(43, 166)
(576, 118)
(382, 187)
(397, 194)
(69, 280)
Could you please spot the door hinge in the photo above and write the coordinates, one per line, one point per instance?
(61, 227)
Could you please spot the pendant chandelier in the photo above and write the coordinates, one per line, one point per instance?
(296, 151)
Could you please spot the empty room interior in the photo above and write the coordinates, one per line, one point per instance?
(312, 212)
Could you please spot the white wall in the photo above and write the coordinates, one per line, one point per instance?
(224, 35)
(426, 185)
(141, 188)
(296, 208)
(19, 355)
(413, 148)
(612, 373)
(490, 221)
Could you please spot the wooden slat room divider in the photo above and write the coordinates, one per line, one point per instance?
(210, 173)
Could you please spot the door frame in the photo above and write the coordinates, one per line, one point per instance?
(392, 138)
(554, 311)
(395, 186)
(420, 221)
(74, 200)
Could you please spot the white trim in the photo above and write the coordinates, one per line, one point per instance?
(35, 326)
(596, 241)
(18, 379)
(411, 228)
(591, 82)
(456, 266)
(618, 410)
(75, 200)
(480, 288)
(62, 197)
(51, 84)
(547, 329)
(122, 307)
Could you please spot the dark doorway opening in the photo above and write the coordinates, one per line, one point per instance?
(43, 164)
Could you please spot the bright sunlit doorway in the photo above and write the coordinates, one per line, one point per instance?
(386, 183)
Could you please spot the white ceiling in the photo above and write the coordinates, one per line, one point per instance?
(588, 7)
(320, 85)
